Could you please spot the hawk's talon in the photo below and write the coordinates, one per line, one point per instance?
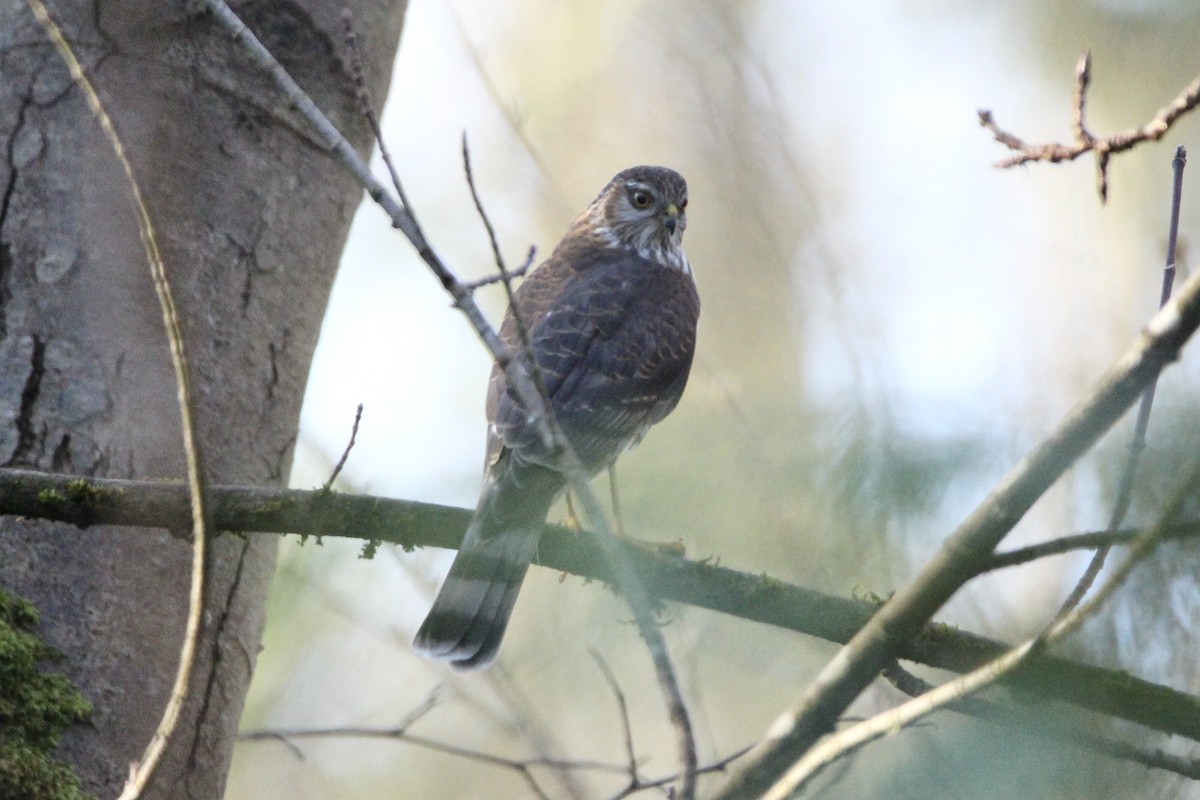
(675, 549)
(571, 522)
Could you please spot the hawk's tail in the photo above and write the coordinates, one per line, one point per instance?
(471, 612)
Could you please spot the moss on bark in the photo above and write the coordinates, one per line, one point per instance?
(35, 708)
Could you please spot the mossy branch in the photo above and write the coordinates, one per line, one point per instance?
(93, 501)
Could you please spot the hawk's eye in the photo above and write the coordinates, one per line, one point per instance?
(641, 199)
(683, 205)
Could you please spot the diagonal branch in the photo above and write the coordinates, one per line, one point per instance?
(902, 617)
(844, 742)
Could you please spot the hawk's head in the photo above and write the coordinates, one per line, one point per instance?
(643, 209)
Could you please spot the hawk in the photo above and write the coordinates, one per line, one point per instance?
(610, 324)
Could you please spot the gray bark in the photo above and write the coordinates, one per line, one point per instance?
(251, 215)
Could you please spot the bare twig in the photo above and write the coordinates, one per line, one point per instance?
(487, 222)
(847, 741)
(345, 453)
(519, 272)
(516, 370)
(368, 108)
(759, 598)
(658, 783)
(1085, 142)
(140, 772)
(903, 616)
(1083, 77)
(400, 732)
(1125, 488)
(504, 276)
(626, 728)
(1069, 734)
(1066, 544)
(523, 767)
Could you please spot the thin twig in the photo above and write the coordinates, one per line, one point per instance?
(141, 771)
(368, 108)
(400, 733)
(487, 222)
(1085, 142)
(1069, 734)
(1138, 445)
(844, 742)
(1083, 77)
(623, 708)
(903, 616)
(337, 469)
(522, 766)
(1065, 544)
(657, 783)
(506, 277)
(520, 379)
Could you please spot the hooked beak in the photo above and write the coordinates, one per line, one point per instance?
(672, 218)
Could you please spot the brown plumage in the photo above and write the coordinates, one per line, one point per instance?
(611, 323)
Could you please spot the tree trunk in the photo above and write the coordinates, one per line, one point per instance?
(251, 215)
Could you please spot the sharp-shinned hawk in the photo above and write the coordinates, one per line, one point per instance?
(610, 320)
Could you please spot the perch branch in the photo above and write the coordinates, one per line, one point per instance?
(91, 501)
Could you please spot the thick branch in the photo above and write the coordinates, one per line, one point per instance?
(91, 501)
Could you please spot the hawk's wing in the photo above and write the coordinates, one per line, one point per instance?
(612, 335)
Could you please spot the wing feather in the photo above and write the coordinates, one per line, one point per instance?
(612, 335)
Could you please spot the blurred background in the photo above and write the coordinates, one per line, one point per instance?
(889, 323)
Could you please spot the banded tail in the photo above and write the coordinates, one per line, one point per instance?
(471, 612)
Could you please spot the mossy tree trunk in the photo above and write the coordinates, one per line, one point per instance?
(251, 214)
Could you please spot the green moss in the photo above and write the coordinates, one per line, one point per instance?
(83, 493)
(271, 507)
(35, 708)
(765, 586)
(51, 498)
